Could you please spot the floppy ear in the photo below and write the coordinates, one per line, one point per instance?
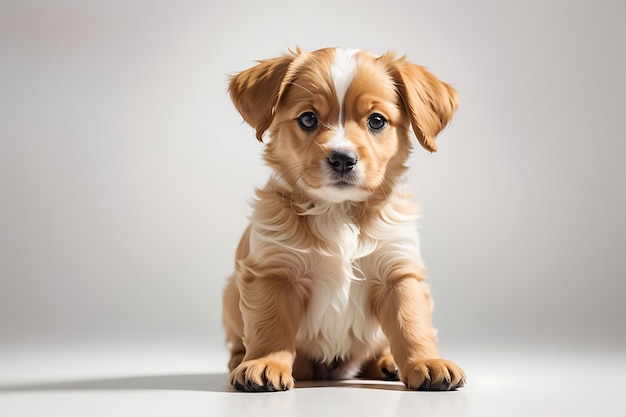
(255, 91)
(429, 102)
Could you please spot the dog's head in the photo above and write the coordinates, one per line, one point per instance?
(339, 120)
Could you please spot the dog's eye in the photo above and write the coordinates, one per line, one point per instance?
(376, 122)
(308, 120)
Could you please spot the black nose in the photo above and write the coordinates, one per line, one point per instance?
(342, 161)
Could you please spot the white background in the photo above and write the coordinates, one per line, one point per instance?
(126, 173)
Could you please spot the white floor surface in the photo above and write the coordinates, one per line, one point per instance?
(149, 381)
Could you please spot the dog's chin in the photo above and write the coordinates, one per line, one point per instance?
(340, 192)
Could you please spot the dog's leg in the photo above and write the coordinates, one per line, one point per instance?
(233, 324)
(271, 309)
(404, 309)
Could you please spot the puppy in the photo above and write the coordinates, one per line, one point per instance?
(329, 278)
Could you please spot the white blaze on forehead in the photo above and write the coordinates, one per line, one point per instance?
(342, 72)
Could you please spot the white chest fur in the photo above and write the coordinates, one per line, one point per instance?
(338, 317)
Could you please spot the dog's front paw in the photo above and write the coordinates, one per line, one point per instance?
(433, 375)
(261, 375)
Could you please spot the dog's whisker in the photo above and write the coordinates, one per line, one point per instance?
(301, 87)
(330, 127)
(320, 145)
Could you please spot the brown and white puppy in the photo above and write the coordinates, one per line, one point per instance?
(329, 277)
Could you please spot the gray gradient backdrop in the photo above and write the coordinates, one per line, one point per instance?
(125, 172)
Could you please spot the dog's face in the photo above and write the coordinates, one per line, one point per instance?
(339, 119)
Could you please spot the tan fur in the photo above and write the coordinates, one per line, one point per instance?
(329, 280)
